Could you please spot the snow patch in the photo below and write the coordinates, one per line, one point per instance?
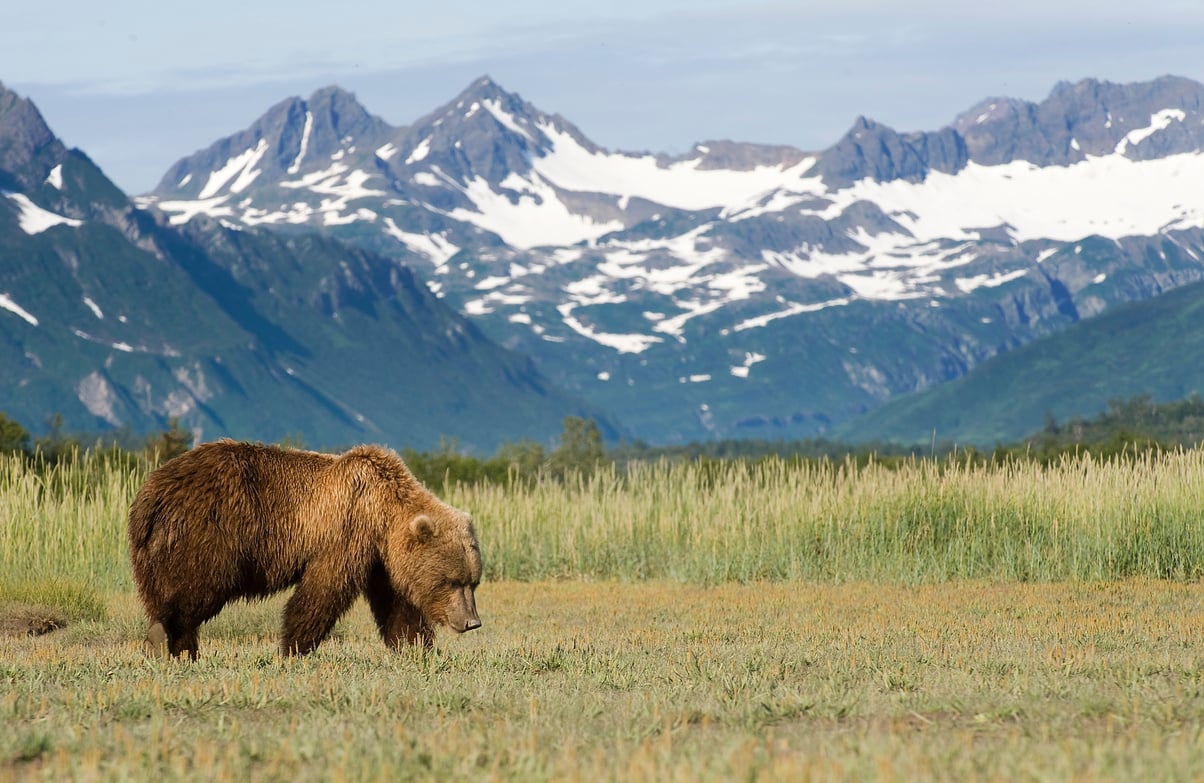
(477, 307)
(623, 343)
(34, 220)
(435, 247)
(1158, 122)
(309, 126)
(426, 179)
(95, 308)
(183, 211)
(55, 177)
(968, 284)
(1110, 196)
(240, 168)
(344, 186)
(420, 152)
(386, 151)
(97, 395)
(683, 184)
(793, 309)
(491, 282)
(693, 309)
(507, 121)
(538, 218)
(7, 303)
(750, 358)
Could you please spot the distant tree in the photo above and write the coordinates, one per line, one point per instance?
(524, 457)
(293, 440)
(14, 439)
(172, 442)
(580, 447)
(56, 445)
(445, 465)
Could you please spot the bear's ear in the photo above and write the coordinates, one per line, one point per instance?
(422, 527)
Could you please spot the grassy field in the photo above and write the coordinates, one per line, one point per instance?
(642, 681)
(680, 623)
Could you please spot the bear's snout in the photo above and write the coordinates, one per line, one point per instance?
(462, 614)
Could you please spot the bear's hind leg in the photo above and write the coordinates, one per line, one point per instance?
(315, 606)
(400, 622)
(169, 638)
(156, 641)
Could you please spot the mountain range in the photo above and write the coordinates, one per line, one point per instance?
(110, 318)
(741, 289)
(736, 290)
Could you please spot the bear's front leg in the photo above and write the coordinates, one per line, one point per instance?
(320, 599)
(399, 621)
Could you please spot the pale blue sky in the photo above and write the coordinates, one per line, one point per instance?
(138, 84)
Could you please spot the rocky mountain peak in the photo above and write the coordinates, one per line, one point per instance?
(338, 116)
(484, 88)
(485, 108)
(28, 148)
(871, 150)
(1143, 120)
(484, 132)
(292, 138)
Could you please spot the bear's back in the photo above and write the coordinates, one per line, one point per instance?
(229, 482)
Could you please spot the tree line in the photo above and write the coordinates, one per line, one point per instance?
(1128, 428)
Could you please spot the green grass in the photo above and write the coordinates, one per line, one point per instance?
(679, 622)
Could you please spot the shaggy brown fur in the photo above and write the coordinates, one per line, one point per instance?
(231, 520)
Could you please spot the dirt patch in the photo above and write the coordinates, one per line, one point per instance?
(29, 620)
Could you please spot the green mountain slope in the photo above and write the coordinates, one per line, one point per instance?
(1153, 347)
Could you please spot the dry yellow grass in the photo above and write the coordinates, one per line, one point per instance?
(577, 680)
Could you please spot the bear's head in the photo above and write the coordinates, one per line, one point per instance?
(429, 548)
(442, 567)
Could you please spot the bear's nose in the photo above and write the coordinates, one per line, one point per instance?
(471, 624)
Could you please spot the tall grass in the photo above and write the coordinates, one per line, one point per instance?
(66, 521)
(920, 521)
(707, 523)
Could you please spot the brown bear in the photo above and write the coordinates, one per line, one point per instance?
(231, 520)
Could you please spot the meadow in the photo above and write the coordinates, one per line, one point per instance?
(689, 621)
